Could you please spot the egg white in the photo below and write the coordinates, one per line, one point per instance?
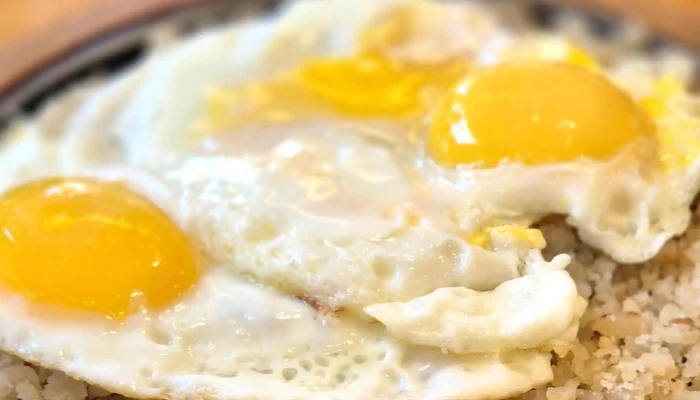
(151, 113)
(319, 210)
(621, 212)
(232, 338)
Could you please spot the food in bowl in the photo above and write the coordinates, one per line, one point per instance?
(352, 200)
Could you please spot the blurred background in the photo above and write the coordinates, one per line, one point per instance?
(46, 44)
(21, 17)
(36, 35)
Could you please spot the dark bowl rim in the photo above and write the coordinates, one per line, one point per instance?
(96, 48)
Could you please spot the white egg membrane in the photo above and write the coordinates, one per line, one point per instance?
(619, 211)
(306, 214)
(323, 211)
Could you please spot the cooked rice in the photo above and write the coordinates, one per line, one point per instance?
(639, 335)
(639, 338)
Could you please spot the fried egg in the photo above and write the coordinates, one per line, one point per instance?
(334, 202)
(515, 127)
(261, 270)
(623, 176)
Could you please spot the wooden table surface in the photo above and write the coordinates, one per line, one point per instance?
(19, 18)
(33, 33)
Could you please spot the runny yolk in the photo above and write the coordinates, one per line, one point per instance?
(677, 130)
(93, 246)
(363, 86)
(534, 113)
(406, 59)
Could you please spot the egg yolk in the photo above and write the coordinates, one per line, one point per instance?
(518, 230)
(677, 130)
(665, 89)
(534, 113)
(575, 55)
(374, 85)
(94, 246)
(363, 86)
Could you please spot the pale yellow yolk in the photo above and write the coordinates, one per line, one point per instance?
(364, 86)
(534, 113)
(677, 131)
(93, 246)
(665, 89)
(577, 56)
(370, 84)
(520, 232)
